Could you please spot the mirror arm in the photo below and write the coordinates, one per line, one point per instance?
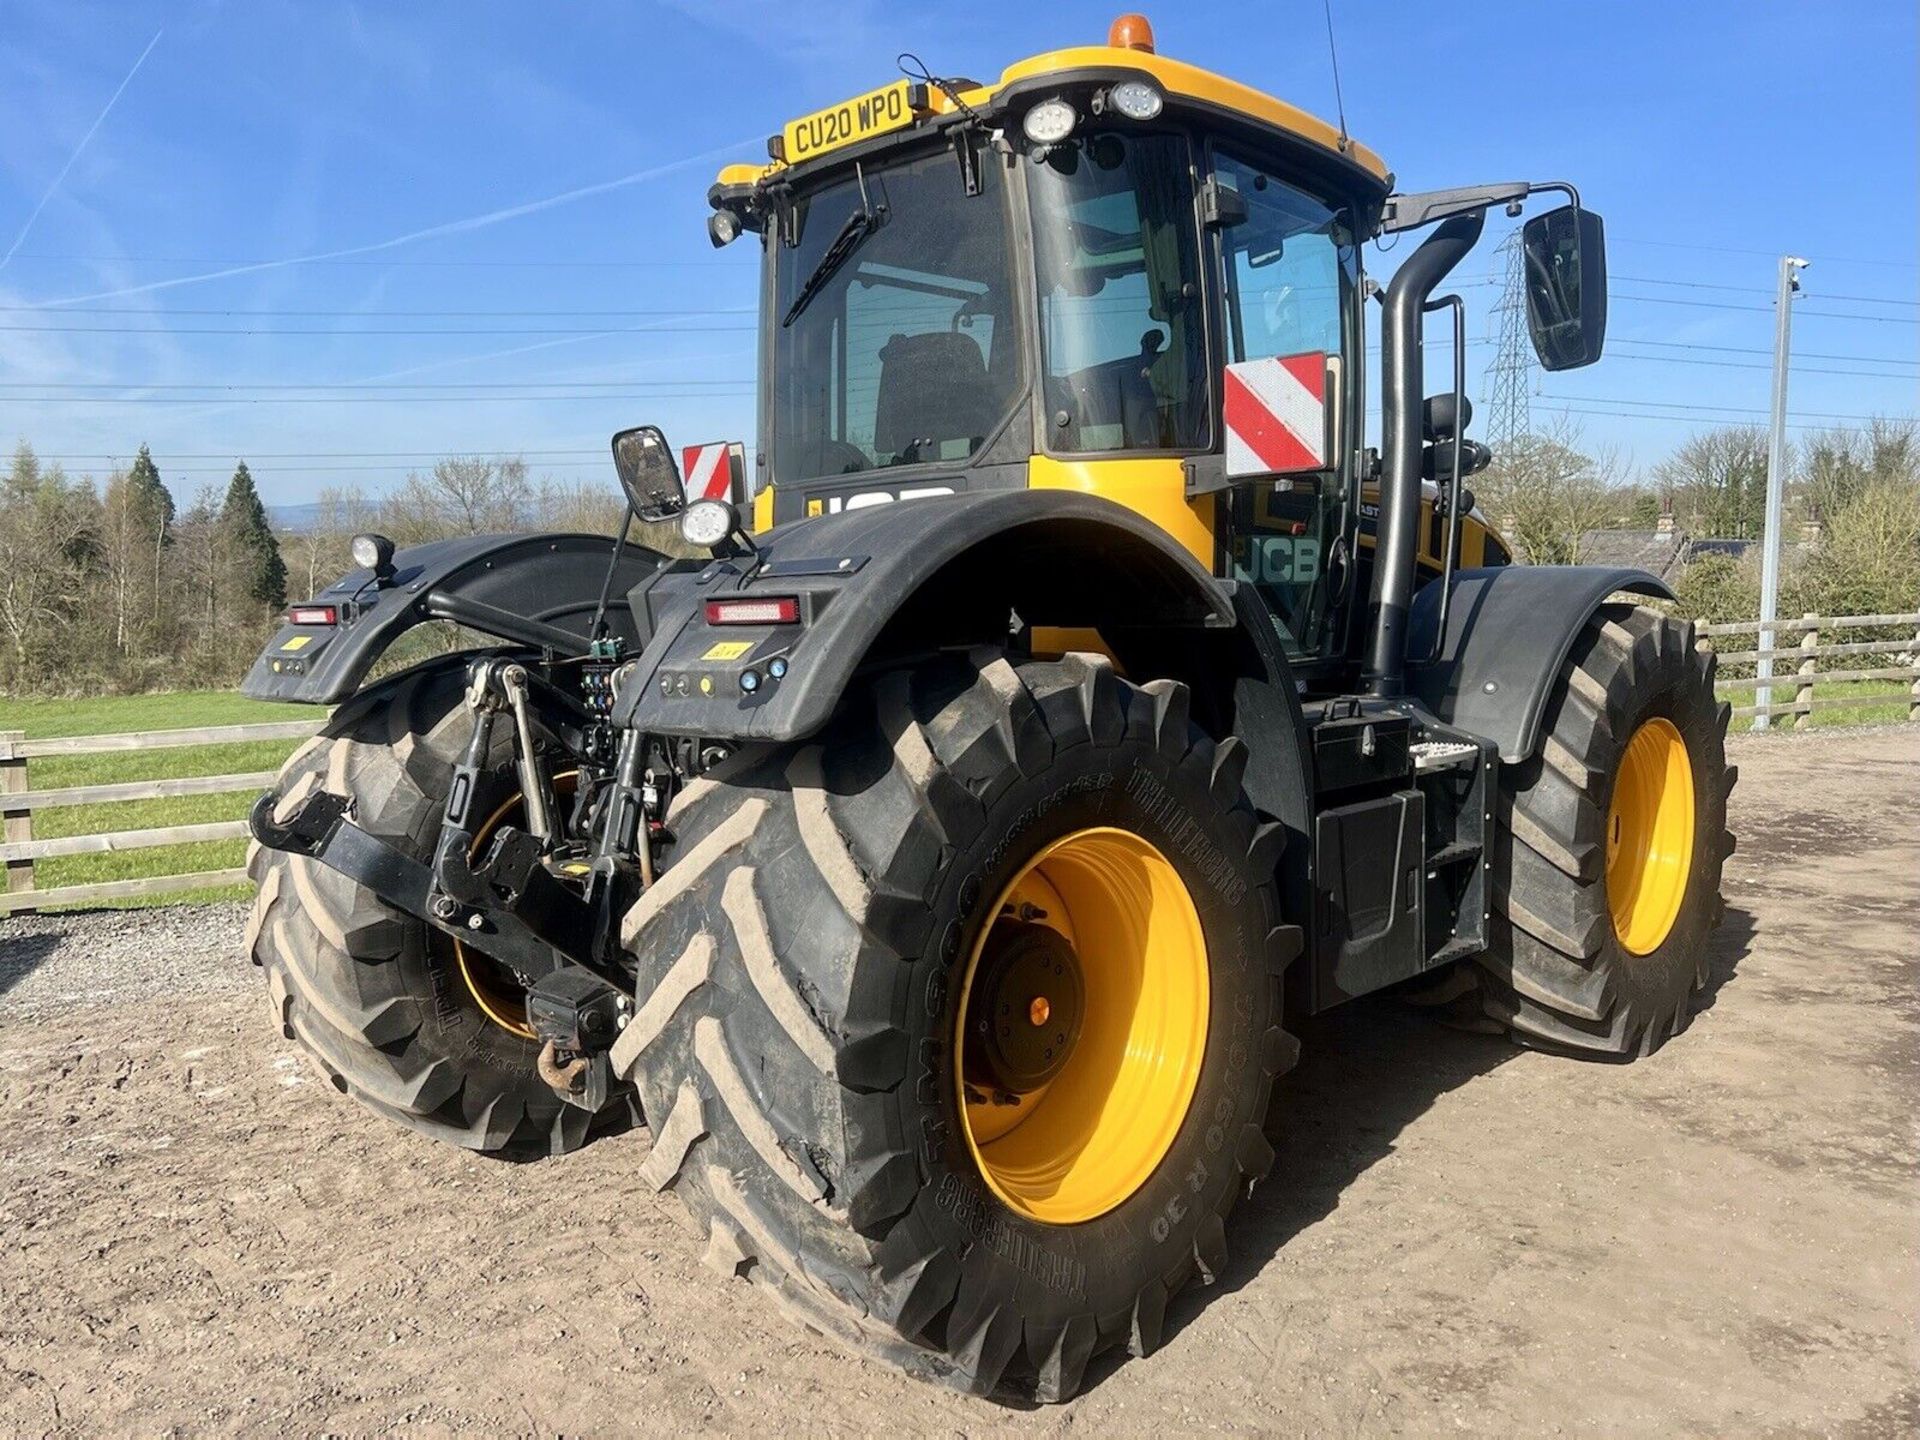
(1410, 212)
(597, 630)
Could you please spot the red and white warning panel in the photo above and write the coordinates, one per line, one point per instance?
(1276, 414)
(715, 472)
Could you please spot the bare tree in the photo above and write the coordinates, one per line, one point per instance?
(1546, 490)
(468, 495)
(1717, 481)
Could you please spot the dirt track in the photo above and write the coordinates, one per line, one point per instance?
(197, 1234)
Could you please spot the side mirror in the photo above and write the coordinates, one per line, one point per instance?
(648, 474)
(1566, 253)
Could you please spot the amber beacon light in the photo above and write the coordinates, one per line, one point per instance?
(1131, 32)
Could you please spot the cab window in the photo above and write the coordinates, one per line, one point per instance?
(1122, 324)
(1288, 270)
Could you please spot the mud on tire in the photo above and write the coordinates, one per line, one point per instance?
(797, 973)
(1556, 974)
(374, 996)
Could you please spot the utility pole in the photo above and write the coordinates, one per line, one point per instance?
(1790, 268)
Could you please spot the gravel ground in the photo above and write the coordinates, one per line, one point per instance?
(201, 1236)
(51, 964)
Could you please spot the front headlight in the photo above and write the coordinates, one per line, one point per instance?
(1136, 99)
(1049, 122)
(708, 523)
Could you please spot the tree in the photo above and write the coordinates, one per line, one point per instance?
(147, 484)
(464, 495)
(250, 538)
(1718, 482)
(1868, 560)
(48, 545)
(1843, 463)
(1545, 492)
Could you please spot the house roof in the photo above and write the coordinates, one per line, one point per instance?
(1659, 554)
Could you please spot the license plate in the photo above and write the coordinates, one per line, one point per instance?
(875, 113)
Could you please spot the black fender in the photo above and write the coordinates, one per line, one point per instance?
(1509, 630)
(549, 583)
(896, 580)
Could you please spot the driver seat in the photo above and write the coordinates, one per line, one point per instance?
(933, 389)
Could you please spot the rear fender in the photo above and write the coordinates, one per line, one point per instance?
(552, 580)
(894, 580)
(1509, 630)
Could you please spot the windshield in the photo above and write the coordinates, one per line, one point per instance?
(1121, 318)
(907, 349)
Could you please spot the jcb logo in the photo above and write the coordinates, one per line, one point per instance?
(834, 504)
(1278, 560)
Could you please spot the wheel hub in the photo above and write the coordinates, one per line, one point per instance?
(1031, 998)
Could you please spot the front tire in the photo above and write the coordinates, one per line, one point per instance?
(386, 1006)
(812, 954)
(1608, 858)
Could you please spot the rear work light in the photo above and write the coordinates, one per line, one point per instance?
(777, 610)
(313, 615)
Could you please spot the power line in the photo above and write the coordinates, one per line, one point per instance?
(540, 264)
(1763, 350)
(1690, 405)
(272, 330)
(743, 394)
(500, 451)
(154, 314)
(1770, 254)
(1681, 419)
(356, 386)
(1758, 365)
(1765, 309)
(1756, 290)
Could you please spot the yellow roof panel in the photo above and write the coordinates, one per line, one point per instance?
(1176, 77)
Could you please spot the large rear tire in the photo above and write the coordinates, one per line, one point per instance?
(840, 914)
(388, 1008)
(1611, 839)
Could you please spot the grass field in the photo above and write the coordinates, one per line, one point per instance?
(118, 715)
(1880, 702)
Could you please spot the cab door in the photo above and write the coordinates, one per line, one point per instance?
(1287, 273)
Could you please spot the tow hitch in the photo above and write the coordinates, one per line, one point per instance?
(510, 884)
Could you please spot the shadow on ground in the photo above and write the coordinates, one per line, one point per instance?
(21, 955)
(1367, 1071)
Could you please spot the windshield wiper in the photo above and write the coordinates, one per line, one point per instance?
(862, 223)
(859, 225)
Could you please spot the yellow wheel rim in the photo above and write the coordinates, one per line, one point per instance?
(1092, 1134)
(1650, 837)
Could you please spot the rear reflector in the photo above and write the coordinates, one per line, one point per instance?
(313, 615)
(784, 610)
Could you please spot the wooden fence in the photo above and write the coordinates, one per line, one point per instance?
(18, 801)
(1797, 665)
(1891, 660)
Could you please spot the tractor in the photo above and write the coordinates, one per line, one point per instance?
(940, 849)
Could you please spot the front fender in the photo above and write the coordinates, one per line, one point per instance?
(1509, 630)
(554, 580)
(895, 578)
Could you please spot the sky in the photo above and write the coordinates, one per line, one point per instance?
(339, 240)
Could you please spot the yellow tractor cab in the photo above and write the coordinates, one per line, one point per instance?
(1046, 282)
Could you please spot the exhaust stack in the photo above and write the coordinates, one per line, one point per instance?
(1402, 392)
